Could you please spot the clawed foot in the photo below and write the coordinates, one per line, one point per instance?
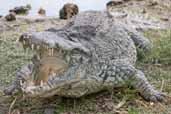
(154, 96)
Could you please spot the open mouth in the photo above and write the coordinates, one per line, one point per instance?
(49, 61)
(59, 62)
(48, 66)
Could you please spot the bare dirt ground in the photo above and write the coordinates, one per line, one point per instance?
(156, 65)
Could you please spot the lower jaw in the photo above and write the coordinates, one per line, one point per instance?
(78, 89)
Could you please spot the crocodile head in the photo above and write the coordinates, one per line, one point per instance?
(58, 61)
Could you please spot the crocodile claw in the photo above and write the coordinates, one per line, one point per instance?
(155, 97)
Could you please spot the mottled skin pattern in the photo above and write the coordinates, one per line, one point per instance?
(100, 53)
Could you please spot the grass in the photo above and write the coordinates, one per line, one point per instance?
(133, 111)
(156, 65)
(12, 57)
(161, 52)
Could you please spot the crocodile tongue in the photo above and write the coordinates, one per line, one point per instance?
(49, 67)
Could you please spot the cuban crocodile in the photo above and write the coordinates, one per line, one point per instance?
(90, 53)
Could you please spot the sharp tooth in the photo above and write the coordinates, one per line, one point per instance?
(41, 83)
(38, 57)
(49, 52)
(52, 51)
(53, 74)
(32, 46)
(21, 82)
(67, 58)
(38, 47)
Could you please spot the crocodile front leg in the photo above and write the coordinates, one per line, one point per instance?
(146, 90)
(22, 75)
(121, 73)
(141, 42)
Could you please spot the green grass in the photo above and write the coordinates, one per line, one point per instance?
(161, 51)
(133, 111)
(12, 57)
(157, 63)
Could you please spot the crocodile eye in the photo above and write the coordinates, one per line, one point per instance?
(76, 51)
(76, 56)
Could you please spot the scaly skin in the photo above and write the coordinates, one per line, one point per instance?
(100, 54)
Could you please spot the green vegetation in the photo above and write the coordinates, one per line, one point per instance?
(12, 57)
(133, 111)
(157, 63)
(161, 52)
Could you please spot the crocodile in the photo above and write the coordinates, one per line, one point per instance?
(91, 53)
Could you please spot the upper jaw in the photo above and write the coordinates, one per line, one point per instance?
(46, 39)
